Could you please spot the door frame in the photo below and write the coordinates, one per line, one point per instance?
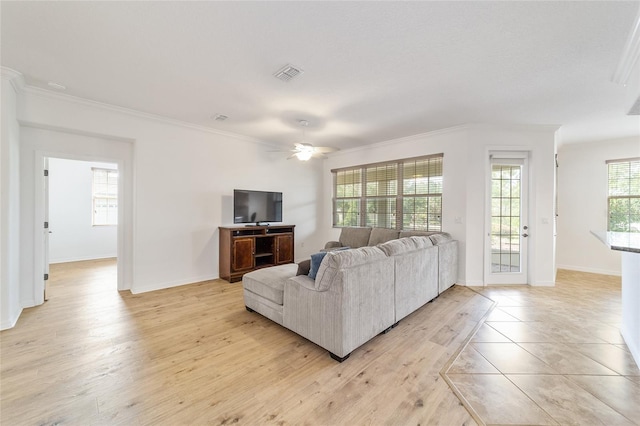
(506, 154)
(124, 211)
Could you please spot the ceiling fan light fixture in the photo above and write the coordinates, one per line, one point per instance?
(304, 155)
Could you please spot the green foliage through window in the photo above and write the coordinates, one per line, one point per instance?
(403, 194)
(624, 195)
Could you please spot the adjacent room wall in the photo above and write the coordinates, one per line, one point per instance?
(10, 306)
(582, 203)
(73, 236)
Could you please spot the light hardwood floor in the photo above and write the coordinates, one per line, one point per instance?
(194, 355)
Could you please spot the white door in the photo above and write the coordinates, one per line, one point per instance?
(45, 229)
(507, 221)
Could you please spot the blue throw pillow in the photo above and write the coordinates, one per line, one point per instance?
(316, 260)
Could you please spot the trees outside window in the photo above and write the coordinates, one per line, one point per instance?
(624, 195)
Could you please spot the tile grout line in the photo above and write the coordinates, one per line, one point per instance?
(507, 378)
(566, 376)
(456, 354)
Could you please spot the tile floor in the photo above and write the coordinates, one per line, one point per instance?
(550, 355)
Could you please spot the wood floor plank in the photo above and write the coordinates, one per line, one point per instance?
(194, 355)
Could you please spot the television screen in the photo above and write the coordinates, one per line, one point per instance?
(256, 206)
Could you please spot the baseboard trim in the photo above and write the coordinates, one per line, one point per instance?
(81, 259)
(544, 284)
(137, 289)
(11, 321)
(635, 351)
(471, 283)
(617, 273)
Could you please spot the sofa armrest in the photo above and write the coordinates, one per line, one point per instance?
(447, 264)
(304, 281)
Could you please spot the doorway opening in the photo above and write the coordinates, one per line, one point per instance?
(81, 221)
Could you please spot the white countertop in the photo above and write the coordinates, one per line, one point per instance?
(623, 241)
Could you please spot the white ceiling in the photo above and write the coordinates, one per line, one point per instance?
(374, 71)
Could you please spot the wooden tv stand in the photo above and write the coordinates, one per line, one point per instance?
(247, 248)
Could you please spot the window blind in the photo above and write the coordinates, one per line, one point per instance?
(624, 195)
(400, 194)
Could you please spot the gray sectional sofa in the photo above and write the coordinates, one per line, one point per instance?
(357, 293)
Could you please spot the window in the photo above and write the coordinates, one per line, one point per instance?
(402, 194)
(105, 196)
(624, 195)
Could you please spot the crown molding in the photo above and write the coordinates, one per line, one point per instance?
(403, 139)
(630, 55)
(516, 127)
(74, 131)
(44, 93)
(459, 128)
(14, 77)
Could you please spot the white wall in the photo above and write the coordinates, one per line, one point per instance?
(10, 307)
(182, 182)
(466, 152)
(540, 142)
(582, 204)
(73, 236)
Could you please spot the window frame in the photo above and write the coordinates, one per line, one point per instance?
(110, 198)
(396, 215)
(629, 195)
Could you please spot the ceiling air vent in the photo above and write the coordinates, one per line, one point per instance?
(635, 109)
(288, 72)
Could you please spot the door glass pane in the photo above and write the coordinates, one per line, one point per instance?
(505, 218)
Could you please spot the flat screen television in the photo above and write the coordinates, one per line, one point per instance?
(256, 206)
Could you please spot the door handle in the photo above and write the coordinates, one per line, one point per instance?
(525, 235)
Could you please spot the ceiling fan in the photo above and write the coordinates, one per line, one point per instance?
(305, 151)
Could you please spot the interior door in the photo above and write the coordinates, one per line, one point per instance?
(508, 231)
(45, 229)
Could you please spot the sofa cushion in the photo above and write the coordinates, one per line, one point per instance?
(303, 267)
(269, 282)
(416, 233)
(355, 236)
(404, 245)
(382, 235)
(337, 260)
(316, 260)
